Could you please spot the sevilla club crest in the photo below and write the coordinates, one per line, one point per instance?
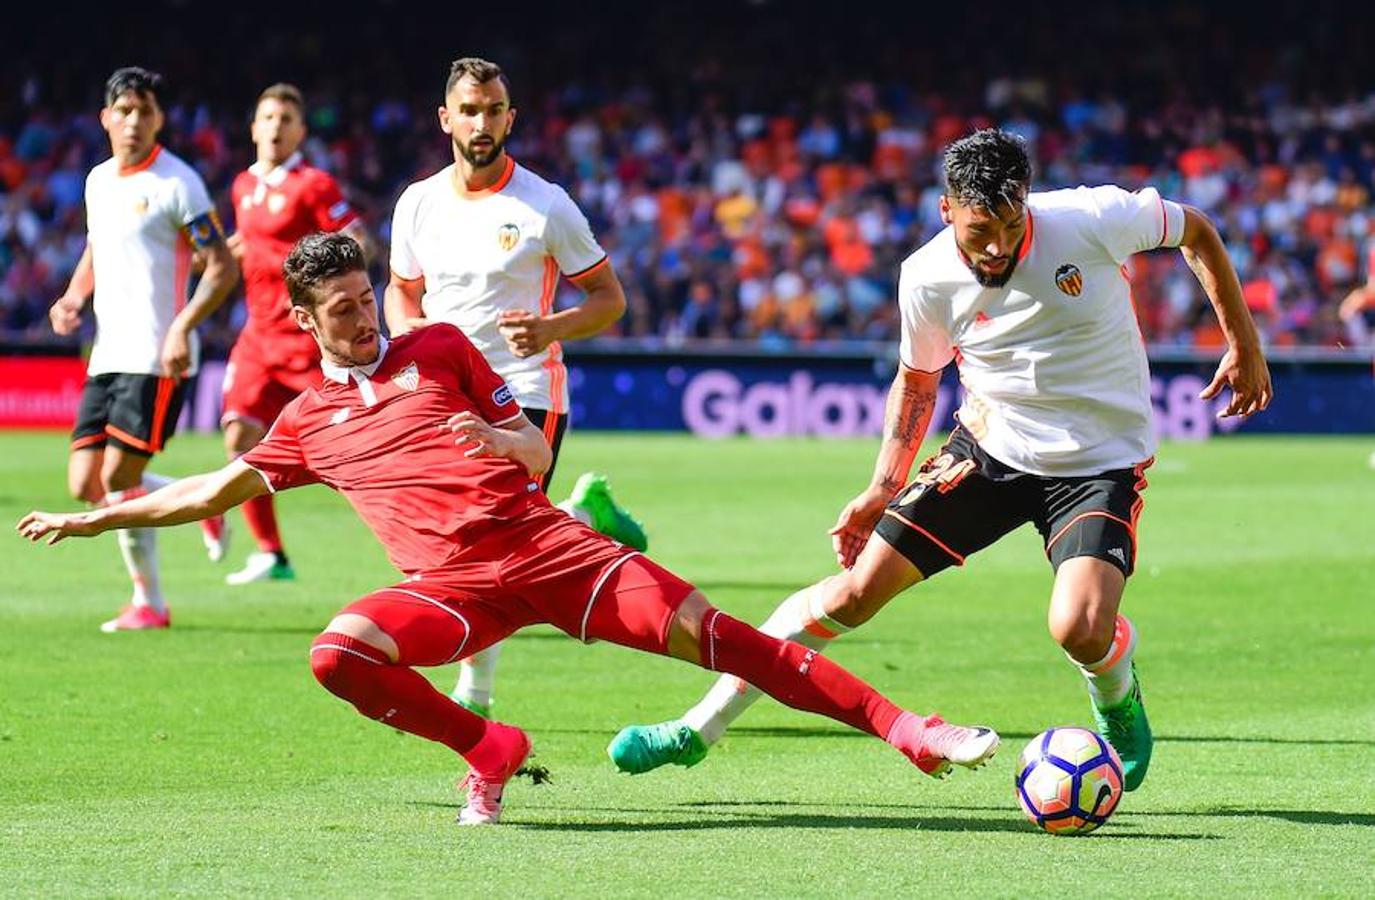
(1069, 279)
(408, 379)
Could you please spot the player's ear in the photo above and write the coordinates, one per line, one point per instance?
(305, 318)
(444, 125)
(945, 209)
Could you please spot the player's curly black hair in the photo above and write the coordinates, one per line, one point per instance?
(988, 168)
(316, 257)
(140, 81)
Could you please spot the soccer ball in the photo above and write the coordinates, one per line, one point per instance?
(1068, 780)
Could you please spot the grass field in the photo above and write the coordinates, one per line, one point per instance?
(206, 760)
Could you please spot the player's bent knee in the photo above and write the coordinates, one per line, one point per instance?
(685, 631)
(851, 599)
(365, 630)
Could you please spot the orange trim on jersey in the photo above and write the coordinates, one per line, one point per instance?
(1030, 236)
(501, 182)
(140, 166)
(554, 362)
(959, 560)
(551, 428)
(87, 441)
(1131, 529)
(1140, 502)
(604, 261)
(1131, 298)
(127, 438)
(166, 387)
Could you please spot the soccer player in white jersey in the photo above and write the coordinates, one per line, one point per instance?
(147, 213)
(1026, 292)
(481, 245)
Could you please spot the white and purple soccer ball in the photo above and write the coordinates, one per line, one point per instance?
(1068, 780)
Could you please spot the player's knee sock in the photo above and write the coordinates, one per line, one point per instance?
(392, 694)
(793, 674)
(801, 619)
(261, 516)
(139, 547)
(1110, 678)
(577, 512)
(477, 676)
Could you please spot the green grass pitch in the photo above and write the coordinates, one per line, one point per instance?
(205, 760)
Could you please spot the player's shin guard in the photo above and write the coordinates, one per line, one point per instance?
(793, 674)
(394, 695)
(261, 516)
(139, 547)
(800, 619)
(1110, 678)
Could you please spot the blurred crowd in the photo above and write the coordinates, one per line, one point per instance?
(779, 217)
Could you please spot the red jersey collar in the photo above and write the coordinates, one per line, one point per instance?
(343, 374)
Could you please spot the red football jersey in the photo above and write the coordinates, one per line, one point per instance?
(273, 211)
(374, 436)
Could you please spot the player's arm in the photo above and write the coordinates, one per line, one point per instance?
(221, 272)
(186, 500)
(401, 304)
(906, 416)
(516, 439)
(604, 302)
(65, 313)
(1243, 367)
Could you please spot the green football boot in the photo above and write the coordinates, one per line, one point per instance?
(473, 706)
(643, 748)
(592, 495)
(1127, 729)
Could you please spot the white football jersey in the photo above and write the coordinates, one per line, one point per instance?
(1053, 363)
(139, 224)
(502, 249)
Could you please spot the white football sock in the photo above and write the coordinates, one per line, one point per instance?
(139, 547)
(153, 481)
(577, 512)
(801, 619)
(477, 676)
(1110, 678)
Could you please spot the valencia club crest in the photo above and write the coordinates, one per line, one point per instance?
(1069, 279)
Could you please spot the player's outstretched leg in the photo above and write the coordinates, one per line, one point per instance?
(399, 696)
(591, 503)
(803, 679)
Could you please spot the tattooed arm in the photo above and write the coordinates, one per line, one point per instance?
(906, 417)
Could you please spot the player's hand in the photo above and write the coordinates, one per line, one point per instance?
(235, 244)
(176, 352)
(1246, 373)
(55, 526)
(525, 333)
(65, 314)
(413, 323)
(856, 523)
(484, 438)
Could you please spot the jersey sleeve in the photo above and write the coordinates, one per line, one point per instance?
(488, 390)
(329, 209)
(925, 343)
(194, 212)
(1133, 222)
(568, 237)
(404, 261)
(279, 457)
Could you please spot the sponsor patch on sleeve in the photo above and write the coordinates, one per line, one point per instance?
(204, 230)
(502, 395)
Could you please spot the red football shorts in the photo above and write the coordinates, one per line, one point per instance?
(264, 374)
(547, 568)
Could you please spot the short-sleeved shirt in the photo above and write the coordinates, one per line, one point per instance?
(373, 434)
(1053, 364)
(274, 208)
(503, 249)
(142, 224)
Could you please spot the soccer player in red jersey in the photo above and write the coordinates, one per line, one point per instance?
(277, 201)
(429, 446)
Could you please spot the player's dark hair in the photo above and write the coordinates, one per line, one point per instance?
(480, 70)
(988, 168)
(317, 257)
(285, 93)
(140, 81)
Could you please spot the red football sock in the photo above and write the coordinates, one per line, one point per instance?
(795, 675)
(261, 517)
(394, 695)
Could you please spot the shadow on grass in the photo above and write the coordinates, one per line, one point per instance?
(793, 731)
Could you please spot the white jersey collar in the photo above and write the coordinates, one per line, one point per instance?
(342, 374)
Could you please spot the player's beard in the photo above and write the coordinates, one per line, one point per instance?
(989, 280)
(478, 159)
